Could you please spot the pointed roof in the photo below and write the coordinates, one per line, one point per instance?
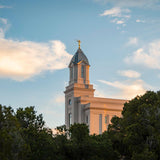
(78, 57)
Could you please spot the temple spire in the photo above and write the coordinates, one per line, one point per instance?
(79, 43)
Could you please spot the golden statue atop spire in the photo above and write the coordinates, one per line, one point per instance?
(79, 43)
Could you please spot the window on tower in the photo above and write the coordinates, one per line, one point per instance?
(70, 102)
(71, 73)
(87, 119)
(82, 71)
(70, 119)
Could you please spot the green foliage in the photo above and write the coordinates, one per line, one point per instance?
(61, 130)
(28, 118)
(11, 141)
(90, 147)
(134, 136)
(79, 137)
(38, 138)
(23, 135)
(79, 132)
(137, 134)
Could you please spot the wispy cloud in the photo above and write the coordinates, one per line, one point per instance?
(21, 60)
(148, 56)
(129, 73)
(4, 25)
(131, 3)
(120, 12)
(99, 92)
(120, 22)
(132, 41)
(140, 21)
(3, 6)
(119, 15)
(114, 12)
(3, 21)
(127, 89)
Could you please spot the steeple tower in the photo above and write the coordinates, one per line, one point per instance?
(79, 68)
(79, 86)
(80, 104)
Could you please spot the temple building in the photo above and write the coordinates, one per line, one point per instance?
(80, 104)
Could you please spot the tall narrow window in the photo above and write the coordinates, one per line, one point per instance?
(71, 73)
(82, 71)
(100, 123)
(87, 119)
(106, 127)
(70, 119)
(107, 119)
(70, 102)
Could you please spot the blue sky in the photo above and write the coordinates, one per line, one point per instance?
(121, 39)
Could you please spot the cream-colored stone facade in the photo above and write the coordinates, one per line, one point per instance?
(80, 104)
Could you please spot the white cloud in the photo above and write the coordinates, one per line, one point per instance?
(114, 12)
(2, 33)
(140, 21)
(21, 60)
(133, 41)
(3, 20)
(127, 89)
(131, 3)
(120, 15)
(120, 22)
(129, 73)
(4, 25)
(2, 6)
(121, 9)
(148, 56)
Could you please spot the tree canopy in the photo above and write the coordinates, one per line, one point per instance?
(134, 136)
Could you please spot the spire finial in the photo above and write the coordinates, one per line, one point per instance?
(79, 43)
